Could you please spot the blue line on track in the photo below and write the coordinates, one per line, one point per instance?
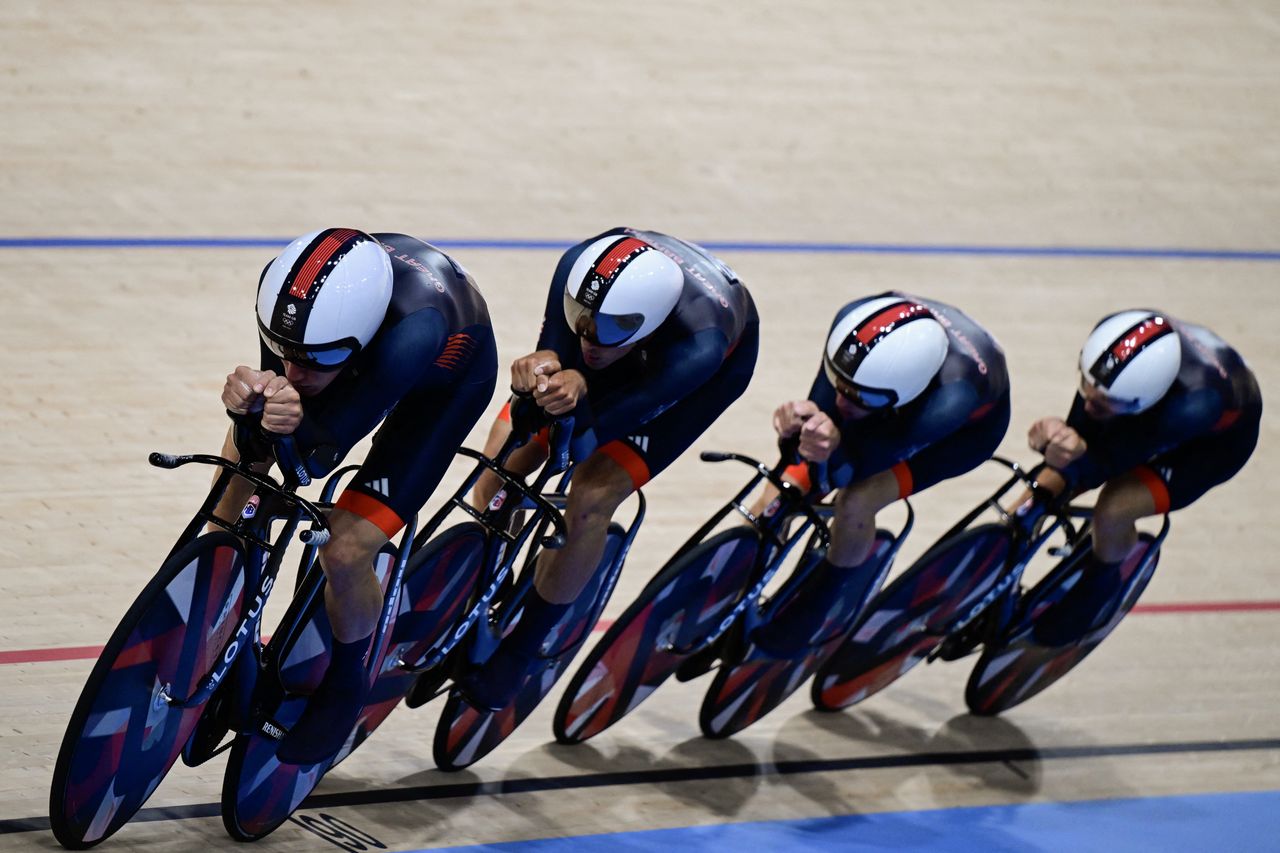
(1242, 822)
(1120, 252)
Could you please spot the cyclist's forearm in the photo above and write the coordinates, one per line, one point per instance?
(522, 461)
(1048, 479)
(769, 495)
(240, 489)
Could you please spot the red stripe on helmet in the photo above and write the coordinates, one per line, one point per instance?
(306, 277)
(619, 253)
(882, 322)
(1136, 338)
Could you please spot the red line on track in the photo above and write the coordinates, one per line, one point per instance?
(91, 652)
(1207, 607)
(43, 655)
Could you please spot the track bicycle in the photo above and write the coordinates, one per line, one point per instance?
(466, 733)
(966, 592)
(180, 643)
(698, 612)
(444, 591)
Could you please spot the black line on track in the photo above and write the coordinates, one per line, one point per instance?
(686, 774)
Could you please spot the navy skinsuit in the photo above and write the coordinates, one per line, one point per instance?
(952, 427)
(1198, 436)
(648, 407)
(426, 376)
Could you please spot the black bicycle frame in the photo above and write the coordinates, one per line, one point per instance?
(501, 545)
(263, 557)
(774, 547)
(1029, 533)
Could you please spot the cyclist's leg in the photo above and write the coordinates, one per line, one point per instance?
(353, 600)
(600, 484)
(523, 460)
(409, 457)
(623, 465)
(853, 528)
(1122, 501)
(1169, 482)
(853, 531)
(352, 597)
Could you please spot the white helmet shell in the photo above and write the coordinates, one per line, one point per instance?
(1132, 358)
(327, 290)
(885, 352)
(624, 286)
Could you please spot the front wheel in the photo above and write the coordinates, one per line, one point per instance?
(668, 622)
(912, 616)
(755, 682)
(124, 733)
(1014, 670)
(465, 733)
(258, 791)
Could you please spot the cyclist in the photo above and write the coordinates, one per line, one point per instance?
(911, 392)
(1166, 410)
(646, 339)
(355, 330)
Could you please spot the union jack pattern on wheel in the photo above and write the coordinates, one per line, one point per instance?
(1017, 669)
(258, 791)
(912, 616)
(124, 734)
(465, 734)
(667, 623)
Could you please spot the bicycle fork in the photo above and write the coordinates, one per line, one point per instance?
(1002, 593)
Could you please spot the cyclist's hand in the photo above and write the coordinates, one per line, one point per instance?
(819, 437)
(561, 393)
(283, 409)
(1038, 435)
(242, 392)
(789, 417)
(533, 371)
(1060, 444)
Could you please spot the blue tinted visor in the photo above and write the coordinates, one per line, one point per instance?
(1105, 403)
(601, 329)
(325, 357)
(864, 396)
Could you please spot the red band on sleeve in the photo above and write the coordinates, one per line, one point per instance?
(1156, 486)
(371, 510)
(628, 460)
(800, 474)
(902, 471)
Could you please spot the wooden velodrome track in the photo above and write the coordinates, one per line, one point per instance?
(847, 149)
